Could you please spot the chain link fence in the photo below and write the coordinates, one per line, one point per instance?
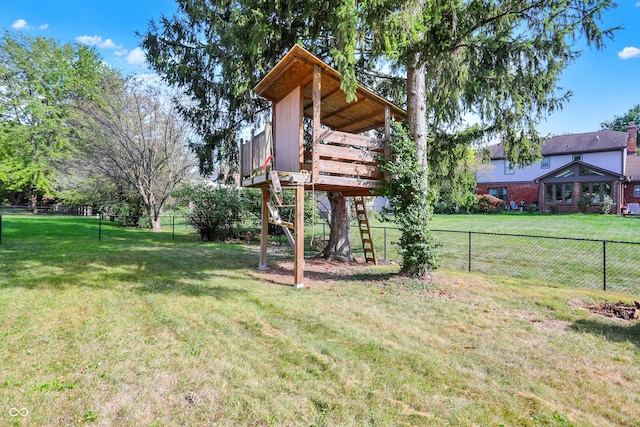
(556, 261)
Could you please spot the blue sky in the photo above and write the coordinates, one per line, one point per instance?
(605, 83)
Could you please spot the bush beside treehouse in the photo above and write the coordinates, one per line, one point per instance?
(216, 212)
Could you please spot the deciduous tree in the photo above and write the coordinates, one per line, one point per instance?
(136, 137)
(41, 81)
(620, 123)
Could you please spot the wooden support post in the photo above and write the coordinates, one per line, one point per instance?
(317, 99)
(298, 264)
(264, 230)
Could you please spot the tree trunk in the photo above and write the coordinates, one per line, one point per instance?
(416, 108)
(154, 218)
(33, 199)
(155, 223)
(416, 115)
(339, 246)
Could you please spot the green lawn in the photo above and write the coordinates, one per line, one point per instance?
(554, 262)
(138, 329)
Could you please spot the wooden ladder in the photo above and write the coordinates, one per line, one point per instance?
(275, 193)
(365, 230)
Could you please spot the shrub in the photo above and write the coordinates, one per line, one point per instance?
(606, 205)
(215, 212)
(584, 201)
(553, 207)
(441, 208)
(488, 203)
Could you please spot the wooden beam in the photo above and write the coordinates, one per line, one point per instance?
(317, 99)
(344, 138)
(347, 107)
(347, 153)
(340, 181)
(328, 95)
(273, 79)
(298, 265)
(264, 231)
(346, 168)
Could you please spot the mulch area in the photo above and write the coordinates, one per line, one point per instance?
(618, 310)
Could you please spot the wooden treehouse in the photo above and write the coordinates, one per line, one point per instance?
(341, 156)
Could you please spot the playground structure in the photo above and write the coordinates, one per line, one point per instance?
(342, 156)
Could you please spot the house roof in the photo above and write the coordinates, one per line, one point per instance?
(633, 167)
(604, 140)
(296, 69)
(578, 162)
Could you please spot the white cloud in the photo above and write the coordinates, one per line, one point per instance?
(88, 40)
(136, 57)
(638, 4)
(109, 44)
(20, 24)
(43, 26)
(98, 42)
(120, 52)
(629, 52)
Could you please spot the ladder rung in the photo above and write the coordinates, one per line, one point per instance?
(275, 181)
(281, 223)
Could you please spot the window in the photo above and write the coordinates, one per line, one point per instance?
(577, 157)
(559, 193)
(567, 192)
(585, 171)
(636, 191)
(598, 190)
(508, 168)
(499, 192)
(545, 163)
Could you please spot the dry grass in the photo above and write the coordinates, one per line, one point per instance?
(191, 334)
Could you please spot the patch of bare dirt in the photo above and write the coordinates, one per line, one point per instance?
(617, 310)
(317, 271)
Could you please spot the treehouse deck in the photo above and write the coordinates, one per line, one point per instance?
(346, 163)
(343, 154)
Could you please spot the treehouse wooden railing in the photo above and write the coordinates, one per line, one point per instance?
(341, 160)
(347, 159)
(255, 153)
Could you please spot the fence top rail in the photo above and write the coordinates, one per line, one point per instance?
(523, 235)
(580, 239)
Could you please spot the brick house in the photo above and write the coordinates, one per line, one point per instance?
(602, 163)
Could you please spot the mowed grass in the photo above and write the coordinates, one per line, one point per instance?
(519, 253)
(141, 330)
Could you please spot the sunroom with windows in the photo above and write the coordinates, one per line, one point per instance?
(561, 189)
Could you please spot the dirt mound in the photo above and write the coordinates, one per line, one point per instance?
(618, 310)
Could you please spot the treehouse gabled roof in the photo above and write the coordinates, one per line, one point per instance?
(296, 69)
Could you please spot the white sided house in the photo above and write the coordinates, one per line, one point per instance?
(602, 163)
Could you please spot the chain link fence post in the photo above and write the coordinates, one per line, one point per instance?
(385, 243)
(604, 265)
(469, 252)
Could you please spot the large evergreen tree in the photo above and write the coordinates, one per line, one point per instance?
(497, 59)
(40, 82)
